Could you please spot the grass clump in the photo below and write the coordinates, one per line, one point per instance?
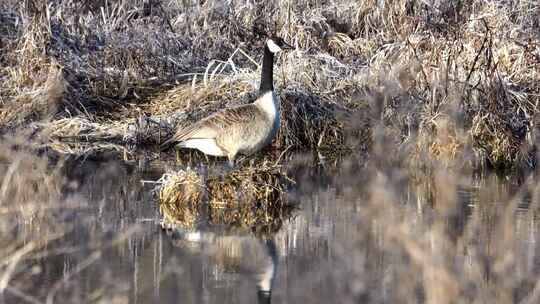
(248, 197)
(180, 198)
(40, 103)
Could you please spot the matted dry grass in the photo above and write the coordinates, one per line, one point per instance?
(476, 63)
(247, 197)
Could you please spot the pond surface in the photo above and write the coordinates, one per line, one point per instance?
(343, 243)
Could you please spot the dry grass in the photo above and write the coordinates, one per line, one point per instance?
(472, 63)
(180, 198)
(439, 86)
(248, 197)
(41, 103)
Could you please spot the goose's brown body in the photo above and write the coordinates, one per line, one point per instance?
(242, 129)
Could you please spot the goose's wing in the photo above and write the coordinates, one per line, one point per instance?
(216, 124)
(230, 117)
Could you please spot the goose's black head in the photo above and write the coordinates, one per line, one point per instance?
(277, 44)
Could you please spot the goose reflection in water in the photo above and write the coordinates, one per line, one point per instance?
(256, 257)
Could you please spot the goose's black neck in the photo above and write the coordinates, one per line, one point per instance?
(267, 74)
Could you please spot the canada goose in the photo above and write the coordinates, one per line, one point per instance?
(241, 129)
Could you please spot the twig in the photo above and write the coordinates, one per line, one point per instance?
(7, 179)
(165, 16)
(419, 62)
(23, 296)
(80, 267)
(478, 54)
(15, 258)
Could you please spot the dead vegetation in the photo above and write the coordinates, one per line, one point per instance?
(474, 64)
(394, 85)
(251, 198)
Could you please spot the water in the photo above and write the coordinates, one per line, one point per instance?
(330, 249)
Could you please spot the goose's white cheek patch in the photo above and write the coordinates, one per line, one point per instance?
(272, 46)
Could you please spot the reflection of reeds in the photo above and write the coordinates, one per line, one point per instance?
(452, 237)
(248, 197)
(29, 190)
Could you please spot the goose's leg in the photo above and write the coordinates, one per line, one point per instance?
(177, 153)
(231, 160)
